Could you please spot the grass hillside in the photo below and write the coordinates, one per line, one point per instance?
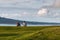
(30, 33)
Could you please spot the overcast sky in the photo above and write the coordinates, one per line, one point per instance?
(31, 10)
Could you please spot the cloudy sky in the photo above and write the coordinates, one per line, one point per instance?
(31, 10)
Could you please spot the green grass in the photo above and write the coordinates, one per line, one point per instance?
(30, 33)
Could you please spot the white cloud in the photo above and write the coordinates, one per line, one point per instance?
(42, 12)
(56, 15)
(25, 13)
(8, 15)
(15, 15)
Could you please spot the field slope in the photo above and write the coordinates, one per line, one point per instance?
(30, 33)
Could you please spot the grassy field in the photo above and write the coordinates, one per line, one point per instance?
(30, 33)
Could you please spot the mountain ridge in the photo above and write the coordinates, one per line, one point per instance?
(12, 21)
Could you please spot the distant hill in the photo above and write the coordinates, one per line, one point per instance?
(8, 21)
(12, 21)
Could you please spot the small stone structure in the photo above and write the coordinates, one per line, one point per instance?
(24, 24)
(18, 24)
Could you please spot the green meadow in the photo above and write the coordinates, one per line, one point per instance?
(30, 33)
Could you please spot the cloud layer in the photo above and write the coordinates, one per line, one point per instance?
(30, 9)
(20, 3)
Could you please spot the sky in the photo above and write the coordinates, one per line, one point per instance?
(31, 10)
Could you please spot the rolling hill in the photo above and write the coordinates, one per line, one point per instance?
(30, 33)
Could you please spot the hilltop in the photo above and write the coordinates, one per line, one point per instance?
(30, 33)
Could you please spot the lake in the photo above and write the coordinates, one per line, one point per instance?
(29, 25)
